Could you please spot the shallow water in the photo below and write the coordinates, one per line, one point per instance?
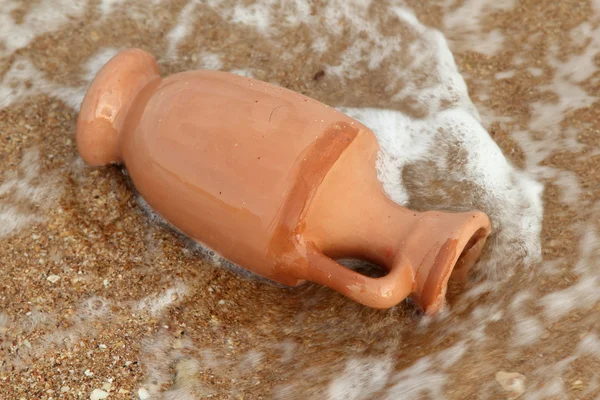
(477, 104)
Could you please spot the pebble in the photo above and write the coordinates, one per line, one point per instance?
(87, 372)
(65, 389)
(107, 386)
(512, 382)
(53, 278)
(143, 394)
(98, 394)
(123, 391)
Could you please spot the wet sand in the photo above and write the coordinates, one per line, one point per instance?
(97, 295)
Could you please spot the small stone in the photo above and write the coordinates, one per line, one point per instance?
(143, 394)
(87, 372)
(98, 394)
(123, 391)
(27, 344)
(221, 302)
(64, 389)
(577, 383)
(94, 36)
(512, 382)
(53, 278)
(102, 346)
(105, 283)
(107, 386)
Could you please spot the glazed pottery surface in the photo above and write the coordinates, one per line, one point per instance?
(274, 181)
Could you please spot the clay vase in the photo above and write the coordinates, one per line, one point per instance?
(274, 181)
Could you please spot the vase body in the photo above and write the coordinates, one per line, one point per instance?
(274, 181)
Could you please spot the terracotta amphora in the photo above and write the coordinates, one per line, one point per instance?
(276, 182)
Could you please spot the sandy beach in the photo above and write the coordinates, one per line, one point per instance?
(477, 104)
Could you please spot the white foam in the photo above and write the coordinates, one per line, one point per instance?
(351, 11)
(547, 377)
(589, 252)
(361, 379)
(251, 359)
(155, 304)
(108, 6)
(23, 80)
(24, 201)
(181, 28)
(242, 72)
(428, 375)
(13, 87)
(586, 292)
(527, 329)
(157, 356)
(452, 355)
(535, 71)
(590, 344)
(504, 74)
(378, 47)
(479, 290)
(417, 380)
(546, 116)
(187, 384)
(4, 323)
(583, 294)
(288, 349)
(97, 61)
(319, 45)
(431, 62)
(257, 15)
(46, 16)
(466, 20)
(299, 12)
(537, 151)
(210, 61)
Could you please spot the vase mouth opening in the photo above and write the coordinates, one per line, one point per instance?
(453, 264)
(469, 255)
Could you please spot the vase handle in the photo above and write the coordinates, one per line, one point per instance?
(381, 293)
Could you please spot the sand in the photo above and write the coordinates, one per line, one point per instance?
(95, 294)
